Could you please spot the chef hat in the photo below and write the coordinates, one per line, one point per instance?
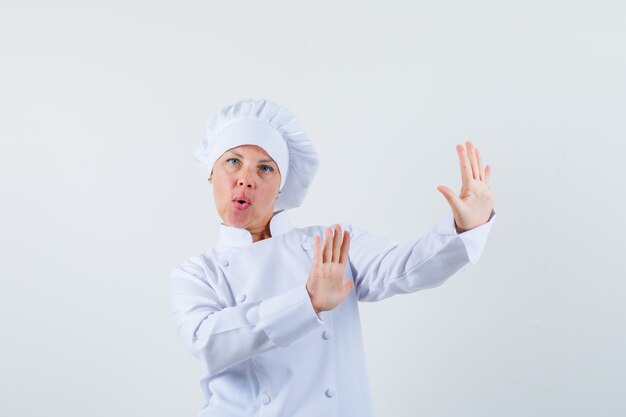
(273, 128)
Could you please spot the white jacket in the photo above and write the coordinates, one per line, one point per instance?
(243, 310)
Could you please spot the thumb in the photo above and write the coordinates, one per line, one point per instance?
(448, 194)
(347, 287)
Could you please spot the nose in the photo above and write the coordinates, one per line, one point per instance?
(245, 183)
(245, 179)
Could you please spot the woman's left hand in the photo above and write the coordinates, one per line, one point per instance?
(474, 205)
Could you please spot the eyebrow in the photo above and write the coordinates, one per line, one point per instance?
(262, 160)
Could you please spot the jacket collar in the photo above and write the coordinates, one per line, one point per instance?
(240, 237)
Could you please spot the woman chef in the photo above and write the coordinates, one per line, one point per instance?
(271, 311)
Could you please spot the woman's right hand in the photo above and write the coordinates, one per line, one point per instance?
(325, 284)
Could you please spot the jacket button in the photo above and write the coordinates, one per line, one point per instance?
(241, 298)
(266, 399)
(327, 334)
(306, 245)
(330, 393)
(224, 262)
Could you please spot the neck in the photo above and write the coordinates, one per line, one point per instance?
(261, 233)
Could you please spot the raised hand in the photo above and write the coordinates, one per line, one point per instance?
(474, 204)
(325, 284)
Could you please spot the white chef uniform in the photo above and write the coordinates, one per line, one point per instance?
(242, 309)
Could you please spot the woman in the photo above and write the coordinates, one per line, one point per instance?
(271, 311)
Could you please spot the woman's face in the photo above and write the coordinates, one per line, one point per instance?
(245, 183)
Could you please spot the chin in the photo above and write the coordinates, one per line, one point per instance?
(238, 220)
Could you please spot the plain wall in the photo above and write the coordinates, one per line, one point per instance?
(102, 105)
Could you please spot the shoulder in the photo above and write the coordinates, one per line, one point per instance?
(201, 266)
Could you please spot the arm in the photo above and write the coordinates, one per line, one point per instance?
(222, 336)
(381, 268)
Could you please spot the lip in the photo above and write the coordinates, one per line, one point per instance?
(240, 206)
(242, 198)
(241, 202)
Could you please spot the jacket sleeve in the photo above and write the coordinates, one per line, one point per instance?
(221, 336)
(381, 268)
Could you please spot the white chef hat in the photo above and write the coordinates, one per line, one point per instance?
(273, 128)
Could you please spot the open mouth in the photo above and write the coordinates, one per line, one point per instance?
(241, 203)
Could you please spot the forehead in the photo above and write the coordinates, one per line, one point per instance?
(249, 151)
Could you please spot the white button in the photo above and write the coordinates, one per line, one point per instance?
(241, 298)
(306, 245)
(330, 393)
(266, 399)
(224, 262)
(327, 334)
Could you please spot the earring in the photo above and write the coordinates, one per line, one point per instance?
(278, 193)
(211, 179)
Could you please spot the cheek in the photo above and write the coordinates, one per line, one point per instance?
(221, 193)
(269, 196)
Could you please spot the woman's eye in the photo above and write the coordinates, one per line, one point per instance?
(231, 159)
(266, 168)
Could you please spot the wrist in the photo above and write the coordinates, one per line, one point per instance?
(458, 229)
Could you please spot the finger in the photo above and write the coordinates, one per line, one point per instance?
(487, 173)
(345, 247)
(471, 151)
(317, 250)
(448, 195)
(336, 243)
(328, 246)
(481, 171)
(466, 170)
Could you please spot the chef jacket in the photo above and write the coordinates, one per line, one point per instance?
(243, 310)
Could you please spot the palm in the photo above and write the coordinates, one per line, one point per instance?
(474, 204)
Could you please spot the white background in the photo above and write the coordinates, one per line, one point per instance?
(102, 105)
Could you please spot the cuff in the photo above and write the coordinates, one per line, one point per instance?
(474, 239)
(288, 316)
